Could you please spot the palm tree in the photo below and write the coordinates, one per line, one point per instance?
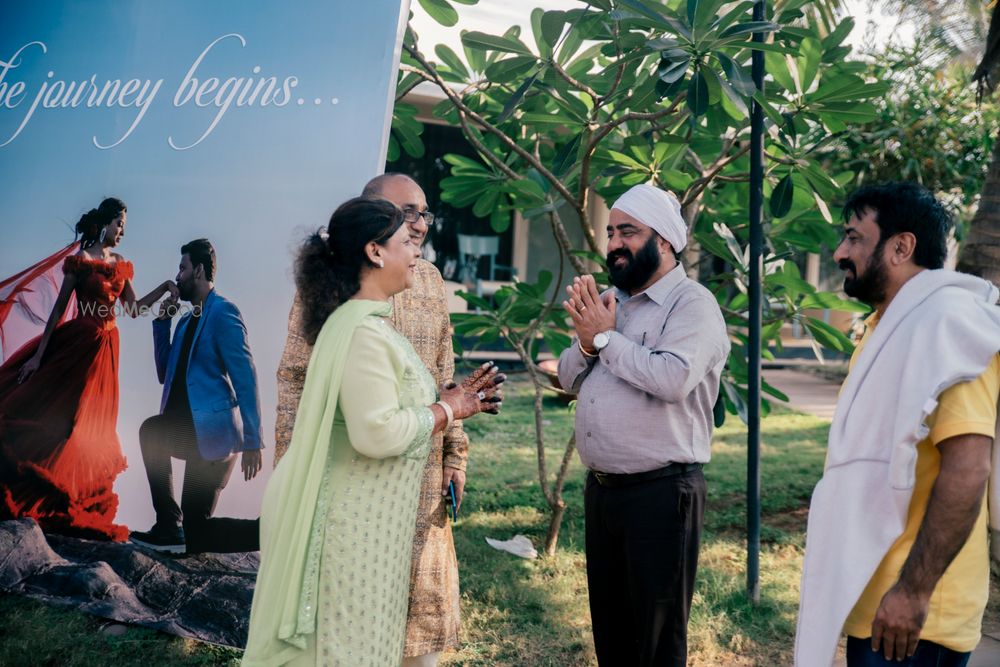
(980, 253)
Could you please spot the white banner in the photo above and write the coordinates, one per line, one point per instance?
(244, 123)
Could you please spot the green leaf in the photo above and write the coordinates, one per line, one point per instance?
(859, 112)
(839, 34)
(781, 197)
(674, 71)
(808, 62)
(825, 186)
(500, 220)
(734, 14)
(484, 42)
(628, 161)
(703, 13)
(777, 67)
(697, 95)
(535, 118)
(441, 11)
(451, 59)
(736, 255)
(486, 203)
(769, 110)
(828, 336)
(748, 28)
(463, 162)
(830, 301)
(663, 43)
(552, 24)
(476, 57)
(734, 401)
(732, 102)
(544, 47)
(556, 340)
(736, 75)
(662, 20)
(528, 189)
(392, 152)
(515, 99)
(773, 391)
(566, 157)
(767, 48)
(571, 44)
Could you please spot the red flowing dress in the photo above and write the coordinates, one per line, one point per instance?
(59, 450)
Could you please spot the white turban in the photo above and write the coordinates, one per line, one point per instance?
(657, 209)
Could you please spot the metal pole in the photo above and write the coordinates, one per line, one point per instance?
(753, 351)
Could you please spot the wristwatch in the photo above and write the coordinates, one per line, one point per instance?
(602, 339)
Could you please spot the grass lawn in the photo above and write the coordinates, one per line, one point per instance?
(519, 612)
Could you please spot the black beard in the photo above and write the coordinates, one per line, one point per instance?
(869, 287)
(185, 291)
(637, 270)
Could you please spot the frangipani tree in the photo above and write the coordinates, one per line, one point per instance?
(620, 92)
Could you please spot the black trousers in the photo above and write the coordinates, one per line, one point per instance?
(164, 437)
(642, 555)
(928, 654)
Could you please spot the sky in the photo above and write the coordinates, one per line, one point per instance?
(253, 178)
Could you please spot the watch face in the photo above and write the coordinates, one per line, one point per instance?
(601, 340)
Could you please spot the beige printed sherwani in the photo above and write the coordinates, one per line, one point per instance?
(421, 314)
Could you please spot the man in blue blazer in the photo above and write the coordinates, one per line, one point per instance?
(208, 377)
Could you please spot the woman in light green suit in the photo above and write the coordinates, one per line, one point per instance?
(339, 513)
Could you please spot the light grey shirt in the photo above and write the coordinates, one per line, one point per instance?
(647, 400)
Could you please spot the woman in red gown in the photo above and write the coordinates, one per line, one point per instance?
(59, 450)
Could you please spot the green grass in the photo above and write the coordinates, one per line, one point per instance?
(520, 612)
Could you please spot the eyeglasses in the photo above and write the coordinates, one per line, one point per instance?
(410, 216)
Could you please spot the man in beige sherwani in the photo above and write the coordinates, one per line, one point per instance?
(421, 314)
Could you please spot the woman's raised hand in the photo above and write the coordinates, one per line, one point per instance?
(480, 392)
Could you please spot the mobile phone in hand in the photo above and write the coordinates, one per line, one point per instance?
(452, 501)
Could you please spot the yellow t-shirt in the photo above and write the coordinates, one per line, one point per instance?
(957, 604)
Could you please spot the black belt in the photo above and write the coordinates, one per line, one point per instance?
(627, 479)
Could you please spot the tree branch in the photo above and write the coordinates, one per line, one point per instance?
(579, 85)
(621, 68)
(562, 238)
(406, 91)
(630, 116)
(695, 189)
(489, 127)
(483, 150)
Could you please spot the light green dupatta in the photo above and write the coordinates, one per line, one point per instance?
(294, 510)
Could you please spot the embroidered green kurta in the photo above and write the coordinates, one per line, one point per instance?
(421, 315)
(339, 513)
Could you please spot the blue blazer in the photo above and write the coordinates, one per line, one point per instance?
(221, 377)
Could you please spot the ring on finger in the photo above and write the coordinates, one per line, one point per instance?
(481, 395)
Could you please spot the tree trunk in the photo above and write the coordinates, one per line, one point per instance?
(980, 252)
(555, 521)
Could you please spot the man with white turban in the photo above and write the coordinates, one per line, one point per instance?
(645, 366)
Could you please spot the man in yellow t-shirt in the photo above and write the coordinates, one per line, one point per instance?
(925, 602)
(957, 603)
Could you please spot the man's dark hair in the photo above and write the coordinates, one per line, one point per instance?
(905, 207)
(373, 188)
(201, 252)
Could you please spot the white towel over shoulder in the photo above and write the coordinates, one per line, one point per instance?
(942, 328)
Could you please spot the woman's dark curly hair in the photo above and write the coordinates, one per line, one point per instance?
(93, 221)
(328, 270)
